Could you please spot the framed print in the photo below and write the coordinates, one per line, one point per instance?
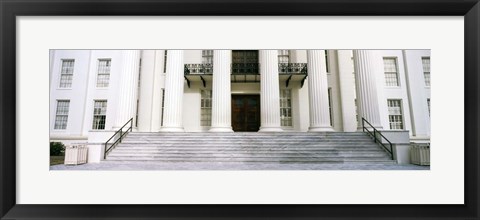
(45, 36)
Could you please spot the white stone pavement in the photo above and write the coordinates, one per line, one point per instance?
(113, 165)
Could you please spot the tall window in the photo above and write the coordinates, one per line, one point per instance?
(330, 105)
(286, 107)
(206, 108)
(426, 70)
(103, 76)
(66, 74)
(390, 68)
(165, 62)
(61, 117)
(283, 56)
(207, 56)
(395, 116)
(99, 114)
(163, 105)
(356, 111)
(327, 63)
(428, 104)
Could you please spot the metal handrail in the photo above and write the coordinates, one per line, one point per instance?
(374, 135)
(119, 140)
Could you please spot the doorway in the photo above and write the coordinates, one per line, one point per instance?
(245, 112)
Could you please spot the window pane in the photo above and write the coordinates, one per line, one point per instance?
(206, 108)
(285, 108)
(103, 76)
(99, 114)
(426, 70)
(390, 69)
(66, 74)
(61, 117)
(395, 114)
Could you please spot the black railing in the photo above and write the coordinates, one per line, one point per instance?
(245, 68)
(292, 68)
(120, 134)
(206, 68)
(375, 138)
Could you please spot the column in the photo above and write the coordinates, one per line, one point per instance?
(221, 92)
(347, 89)
(127, 95)
(269, 92)
(174, 80)
(366, 69)
(318, 92)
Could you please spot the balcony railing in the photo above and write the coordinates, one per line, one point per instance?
(245, 68)
(292, 68)
(206, 68)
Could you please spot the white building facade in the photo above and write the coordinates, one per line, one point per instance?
(95, 92)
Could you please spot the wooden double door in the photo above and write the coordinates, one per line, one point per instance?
(245, 112)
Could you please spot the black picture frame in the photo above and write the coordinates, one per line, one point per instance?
(10, 9)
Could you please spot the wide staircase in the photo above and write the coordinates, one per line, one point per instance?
(247, 147)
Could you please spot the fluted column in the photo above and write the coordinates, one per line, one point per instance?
(221, 92)
(366, 69)
(127, 95)
(174, 80)
(318, 91)
(269, 92)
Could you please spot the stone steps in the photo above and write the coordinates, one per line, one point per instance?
(281, 147)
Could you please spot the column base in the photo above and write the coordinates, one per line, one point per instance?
(172, 129)
(270, 129)
(220, 129)
(320, 129)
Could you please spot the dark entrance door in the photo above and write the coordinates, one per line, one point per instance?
(246, 112)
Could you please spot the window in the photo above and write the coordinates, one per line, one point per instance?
(207, 56)
(428, 104)
(61, 117)
(286, 107)
(165, 62)
(103, 76)
(99, 114)
(426, 70)
(327, 64)
(206, 108)
(163, 105)
(283, 56)
(356, 111)
(330, 105)
(395, 116)
(66, 74)
(390, 68)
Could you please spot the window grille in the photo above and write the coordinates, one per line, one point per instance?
(66, 74)
(426, 70)
(103, 77)
(99, 114)
(286, 107)
(61, 117)
(283, 56)
(206, 108)
(390, 68)
(395, 116)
